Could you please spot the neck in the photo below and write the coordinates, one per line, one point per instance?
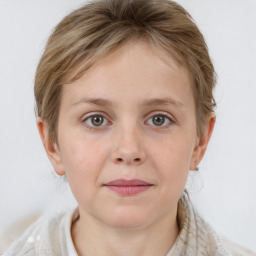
(92, 237)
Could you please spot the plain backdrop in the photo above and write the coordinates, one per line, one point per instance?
(224, 189)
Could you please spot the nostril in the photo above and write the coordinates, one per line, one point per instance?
(121, 160)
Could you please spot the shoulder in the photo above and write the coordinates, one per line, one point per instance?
(200, 237)
(224, 245)
(214, 240)
(46, 236)
(237, 250)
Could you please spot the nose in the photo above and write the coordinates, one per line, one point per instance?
(129, 148)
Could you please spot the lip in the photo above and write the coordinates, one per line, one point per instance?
(128, 187)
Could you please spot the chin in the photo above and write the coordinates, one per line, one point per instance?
(129, 219)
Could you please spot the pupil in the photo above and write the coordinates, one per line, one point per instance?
(158, 120)
(97, 120)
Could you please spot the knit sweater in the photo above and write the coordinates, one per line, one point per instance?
(50, 236)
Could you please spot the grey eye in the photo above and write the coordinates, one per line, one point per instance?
(158, 120)
(96, 121)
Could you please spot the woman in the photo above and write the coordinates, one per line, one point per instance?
(125, 106)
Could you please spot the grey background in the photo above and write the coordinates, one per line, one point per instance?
(224, 189)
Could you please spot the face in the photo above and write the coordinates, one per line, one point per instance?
(127, 137)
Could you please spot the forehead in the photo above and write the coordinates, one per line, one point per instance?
(133, 48)
(134, 69)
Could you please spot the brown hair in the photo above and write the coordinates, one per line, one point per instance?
(92, 31)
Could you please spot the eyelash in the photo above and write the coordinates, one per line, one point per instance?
(170, 121)
(90, 118)
(91, 126)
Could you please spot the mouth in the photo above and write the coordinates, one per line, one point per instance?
(128, 187)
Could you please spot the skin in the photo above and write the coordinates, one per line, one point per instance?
(127, 145)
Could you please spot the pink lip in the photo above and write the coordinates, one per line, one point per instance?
(128, 187)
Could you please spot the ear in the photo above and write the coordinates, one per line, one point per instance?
(202, 142)
(51, 148)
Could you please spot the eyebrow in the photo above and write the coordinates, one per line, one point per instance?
(164, 101)
(149, 102)
(94, 101)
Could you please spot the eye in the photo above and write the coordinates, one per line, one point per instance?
(95, 121)
(159, 120)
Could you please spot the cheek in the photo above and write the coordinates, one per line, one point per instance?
(83, 166)
(82, 155)
(83, 162)
(174, 153)
(172, 158)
